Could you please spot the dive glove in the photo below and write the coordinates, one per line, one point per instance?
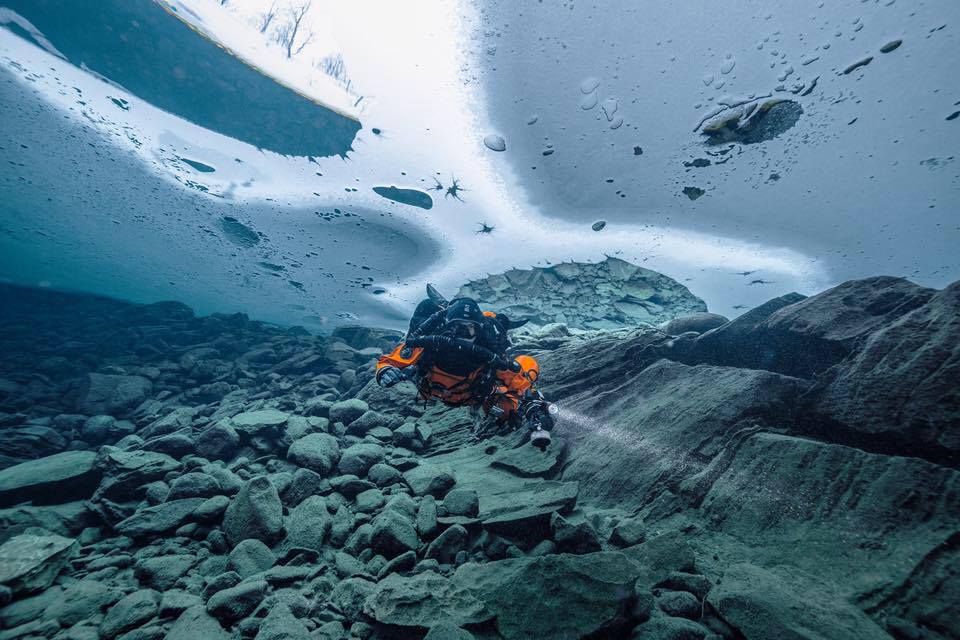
(390, 376)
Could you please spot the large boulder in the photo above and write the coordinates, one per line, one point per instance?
(393, 534)
(318, 452)
(554, 597)
(634, 438)
(759, 604)
(255, 512)
(347, 411)
(62, 477)
(525, 512)
(112, 394)
(196, 623)
(606, 295)
(125, 473)
(31, 561)
(308, 524)
(808, 336)
(899, 390)
(429, 479)
(218, 441)
(357, 459)
(159, 519)
(129, 613)
(261, 422)
(423, 601)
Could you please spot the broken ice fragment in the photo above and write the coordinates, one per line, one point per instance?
(890, 46)
(856, 65)
(495, 142)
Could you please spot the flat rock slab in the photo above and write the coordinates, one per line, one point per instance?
(424, 600)
(253, 422)
(762, 605)
(554, 597)
(62, 477)
(159, 519)
(526, 512)
(528, 461)
(31, 562)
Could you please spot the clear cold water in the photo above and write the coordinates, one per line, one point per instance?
(150, 152)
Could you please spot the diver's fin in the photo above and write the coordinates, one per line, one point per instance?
(435, 295)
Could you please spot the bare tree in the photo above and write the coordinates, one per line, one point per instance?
(289, 35)
(266, 18)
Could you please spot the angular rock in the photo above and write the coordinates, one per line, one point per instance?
(174, 602)
(898, 391)
(573, 538)
(235, 603)
(370, 501)
(591, 590)
(429, 479)
(462, 502)
(195, 623)
(350, 486)
(526, 513)
(82, 600)
(447, 545)
(263, 421)
(194, 485)
(680, 604)
(319, 452)
(637, 437)
(383, 475)
(130, 612)
(348, 410)
(424, 600)
(211, 509)
(628, 533)
(112, 394)
(304, 484)
(426, 519)
(31, 561)
(125, 472)
(448, 631)
(810, 335)
(163, 572)
(255, 512)
(403, 562)
(159, 519)
(62, 477)
(758, 603)
(280, 624)
(357, 459)
(530, 462)
(392, 534)
(308, 524)
(250, 556)
(350, 595)
(219, 441)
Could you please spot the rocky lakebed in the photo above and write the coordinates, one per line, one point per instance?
(790, 474)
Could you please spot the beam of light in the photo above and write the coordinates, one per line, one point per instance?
(772, 496)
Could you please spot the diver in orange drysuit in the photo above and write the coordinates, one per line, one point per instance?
(455, 353)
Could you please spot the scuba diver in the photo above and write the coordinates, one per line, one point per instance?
(455, 352)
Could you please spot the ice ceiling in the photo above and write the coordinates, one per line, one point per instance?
(748, 149)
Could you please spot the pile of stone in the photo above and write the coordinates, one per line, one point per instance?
(611, 294)
(177, 477)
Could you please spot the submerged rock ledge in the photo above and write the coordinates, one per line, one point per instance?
(791, 473)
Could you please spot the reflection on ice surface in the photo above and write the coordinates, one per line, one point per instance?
(489, 138)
